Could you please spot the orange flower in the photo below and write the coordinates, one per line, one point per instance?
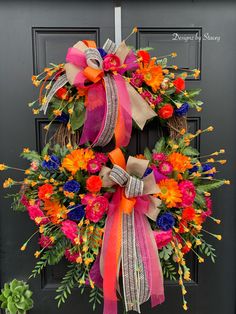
(170, 192)
(152, 74)
(45, 191)
(77, 160)
(140, 156)
(55, 211)
(94, 184)
(179, 162)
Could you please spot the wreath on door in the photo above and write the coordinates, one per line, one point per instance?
(122, 222)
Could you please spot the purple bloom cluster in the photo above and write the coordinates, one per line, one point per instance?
(71, 186)
(165, 222)
(52, 164)
(182, 110)
(76, 212)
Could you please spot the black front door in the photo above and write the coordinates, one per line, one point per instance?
(34, 33)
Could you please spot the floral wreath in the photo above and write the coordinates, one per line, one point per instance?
(117, 220)
(99, 91)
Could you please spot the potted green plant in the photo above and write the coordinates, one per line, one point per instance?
(16, 298)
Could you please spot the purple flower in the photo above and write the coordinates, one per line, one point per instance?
(63, 118)
(206, 168)
(158, 176)
(182, 110)
(72, 186)
(194, 169)
(52, 164)
(165, 222)
(76, 212)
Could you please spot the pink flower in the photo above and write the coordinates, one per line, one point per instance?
(165, 167)
(87, 199)
(158, 100)
(45, 241)
(71, 256)
(137, 79)
(188, 192)
(147, 95)
(35, 212)
(70, 229)
(208, 212)
(24, 201)
(34, 165)
(94, 166)
(162, 238)
(97, 208)
(102, 158)
(158, 156)
(111, 62)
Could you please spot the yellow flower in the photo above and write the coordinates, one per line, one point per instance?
(185, 307)
(35, 111)
(70, 111)
(37, 253)
(26, 150)
(79, 260)
(8, 183)
(85, 248)
(210, 129)
(222, 162)
(198, 242)
(38, 220)
(184, 291)
(44, 100)
(82, 281)
(196, 73)
(189, 244)
(23, 247)
(3, 167)
(227, 182)
(219, 237)
(200, 259)
(57, 112)
(41, 229)
(173, 54)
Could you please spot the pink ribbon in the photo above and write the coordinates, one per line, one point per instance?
(146, 245)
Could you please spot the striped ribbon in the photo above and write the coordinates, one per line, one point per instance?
(60, 82)
(133, 186)
(111, 114)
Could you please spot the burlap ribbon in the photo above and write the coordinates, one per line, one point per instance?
(111, 102)
(128, 237)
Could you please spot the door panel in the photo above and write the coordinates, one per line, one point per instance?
(35, 33)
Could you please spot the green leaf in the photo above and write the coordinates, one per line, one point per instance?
(147, 154)
(207, 187)
(160, 145)
(200, 200)
(194, 92)
(190, 151)
(77, 119)
(45, 150)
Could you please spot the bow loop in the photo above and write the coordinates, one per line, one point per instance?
(133, 186)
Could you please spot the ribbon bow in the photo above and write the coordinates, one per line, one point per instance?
(111, 102)
(128, 238)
